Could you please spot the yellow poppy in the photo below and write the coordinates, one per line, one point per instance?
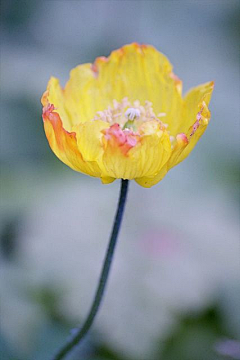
(124, 117)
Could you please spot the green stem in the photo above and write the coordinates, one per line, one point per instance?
(81, 332)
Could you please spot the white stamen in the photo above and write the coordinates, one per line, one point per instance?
(132, 113)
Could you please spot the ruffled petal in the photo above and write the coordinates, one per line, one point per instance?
(192, 103)
(64, 144)
(134, 157)
(79, 94)
(185, 143)
(194, 133)
(138, 72)
(196, 117)
(55, 95)
(89, 139)
(181, 143)
(149, 181)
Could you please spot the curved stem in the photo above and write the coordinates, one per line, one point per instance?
(81, 332)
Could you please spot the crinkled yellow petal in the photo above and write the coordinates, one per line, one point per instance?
(146, 158)
(107, 179)
(138, 72)
(193, 136)
(197, 116)
(79, 94)
(55, 95)
(149, 181)
(89, 141)
(195, 104)
(180, 145)
(192, 102)
(64, 144)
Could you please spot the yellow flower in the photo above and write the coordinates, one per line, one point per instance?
(124, 116)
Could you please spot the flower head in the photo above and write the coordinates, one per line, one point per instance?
(124, 116)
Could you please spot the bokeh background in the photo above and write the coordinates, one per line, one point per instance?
(174, 290)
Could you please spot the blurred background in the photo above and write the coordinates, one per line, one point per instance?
(174, 290)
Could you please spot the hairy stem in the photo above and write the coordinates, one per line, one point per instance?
(82, 331)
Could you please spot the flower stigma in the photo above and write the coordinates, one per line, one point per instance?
(132, 114)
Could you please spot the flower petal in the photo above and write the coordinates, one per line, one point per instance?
(195, 104)
(80, 94)
(143, 158)
(181, 143)
(89, 139)
(138, 72)
(149, 181)
(194, 133)
(55, 95)
(192, 103)
(196, 118)
(64, 143)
